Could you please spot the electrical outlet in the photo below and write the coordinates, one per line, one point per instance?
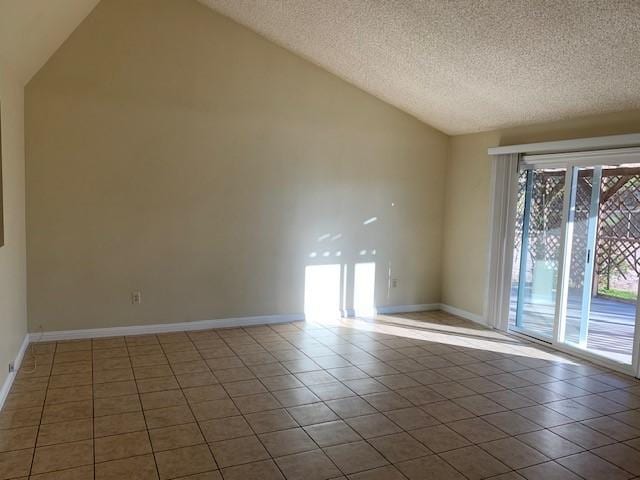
(394, 283)
(136, 298)
(12, 367)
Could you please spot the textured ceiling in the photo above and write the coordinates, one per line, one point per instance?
(32, 30)
(466, 65)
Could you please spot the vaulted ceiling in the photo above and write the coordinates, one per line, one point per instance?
(32, 30)
(459, 65)
(466, 65)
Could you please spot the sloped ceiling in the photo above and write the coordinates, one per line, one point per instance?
(459, 65)
(466, 65)
(32, 30)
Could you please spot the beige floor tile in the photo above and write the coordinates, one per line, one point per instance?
(270, 421)
(176, 436)
(225, 428)
(117, 424)
(77, 473)
(383, 473)
(238, 451)
(332, 433)
(64, 412)
(114, 375)
(479, 405)
(192, 367)
(350, 407)
(214, 409)
(312, 414)
(65, 432)
(28, 399)
(296, 396)
(511, 423)
(429, 467)
(122, 446)
(268, 370)
(115, 389)
(281, 382)
(110, 353)
(224, 363)
(411, 418)
(364, 386)
(474, 463)
(157, 384)
(18, 438)
(111, 363)
(426, 396)
(513, 453)
(205, 393)
(184, 461)
(287, 442)
(550, 444)
(151, 371)
(233, 374)
(256, 403)
(548, 471)
(197, 379)
(439, 438)
(116, 405)
(612, 428)
(592, 467)
(421, 396)
(265, 470)
(62, 456)
(477, 430)
(168, 416)
(447, 411)
(621, 455)
(15, 464)
(375, 425)
(164, 399)
(543, 416)
(399, 447)
(69, 394)
(244, 387)
(148, 360)
(582, 435)
(314, 465)
(134, 468)
(355, 457)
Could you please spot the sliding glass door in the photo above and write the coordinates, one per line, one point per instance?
(577, 257)
(538, 258)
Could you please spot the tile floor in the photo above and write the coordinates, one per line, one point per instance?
(420, 396)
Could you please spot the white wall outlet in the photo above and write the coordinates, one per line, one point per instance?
(12, 367)
(136, 297)
(394, 283)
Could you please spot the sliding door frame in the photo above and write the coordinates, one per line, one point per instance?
(501, 254)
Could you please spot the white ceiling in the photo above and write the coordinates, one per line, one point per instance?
(32, 30)
(466, 65)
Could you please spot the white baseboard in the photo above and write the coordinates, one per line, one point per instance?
(422, 307)
(227, 323)
(458, 312)
(6, 386)
(164, 327)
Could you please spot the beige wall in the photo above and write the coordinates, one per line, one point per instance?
(171, 151)
(468, 197)
(13, 282)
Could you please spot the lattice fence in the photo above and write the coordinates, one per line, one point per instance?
(619, 226)
(618, 237)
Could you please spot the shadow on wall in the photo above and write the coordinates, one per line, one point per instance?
(334, 288)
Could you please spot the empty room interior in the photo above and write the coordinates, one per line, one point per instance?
(319, 239)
